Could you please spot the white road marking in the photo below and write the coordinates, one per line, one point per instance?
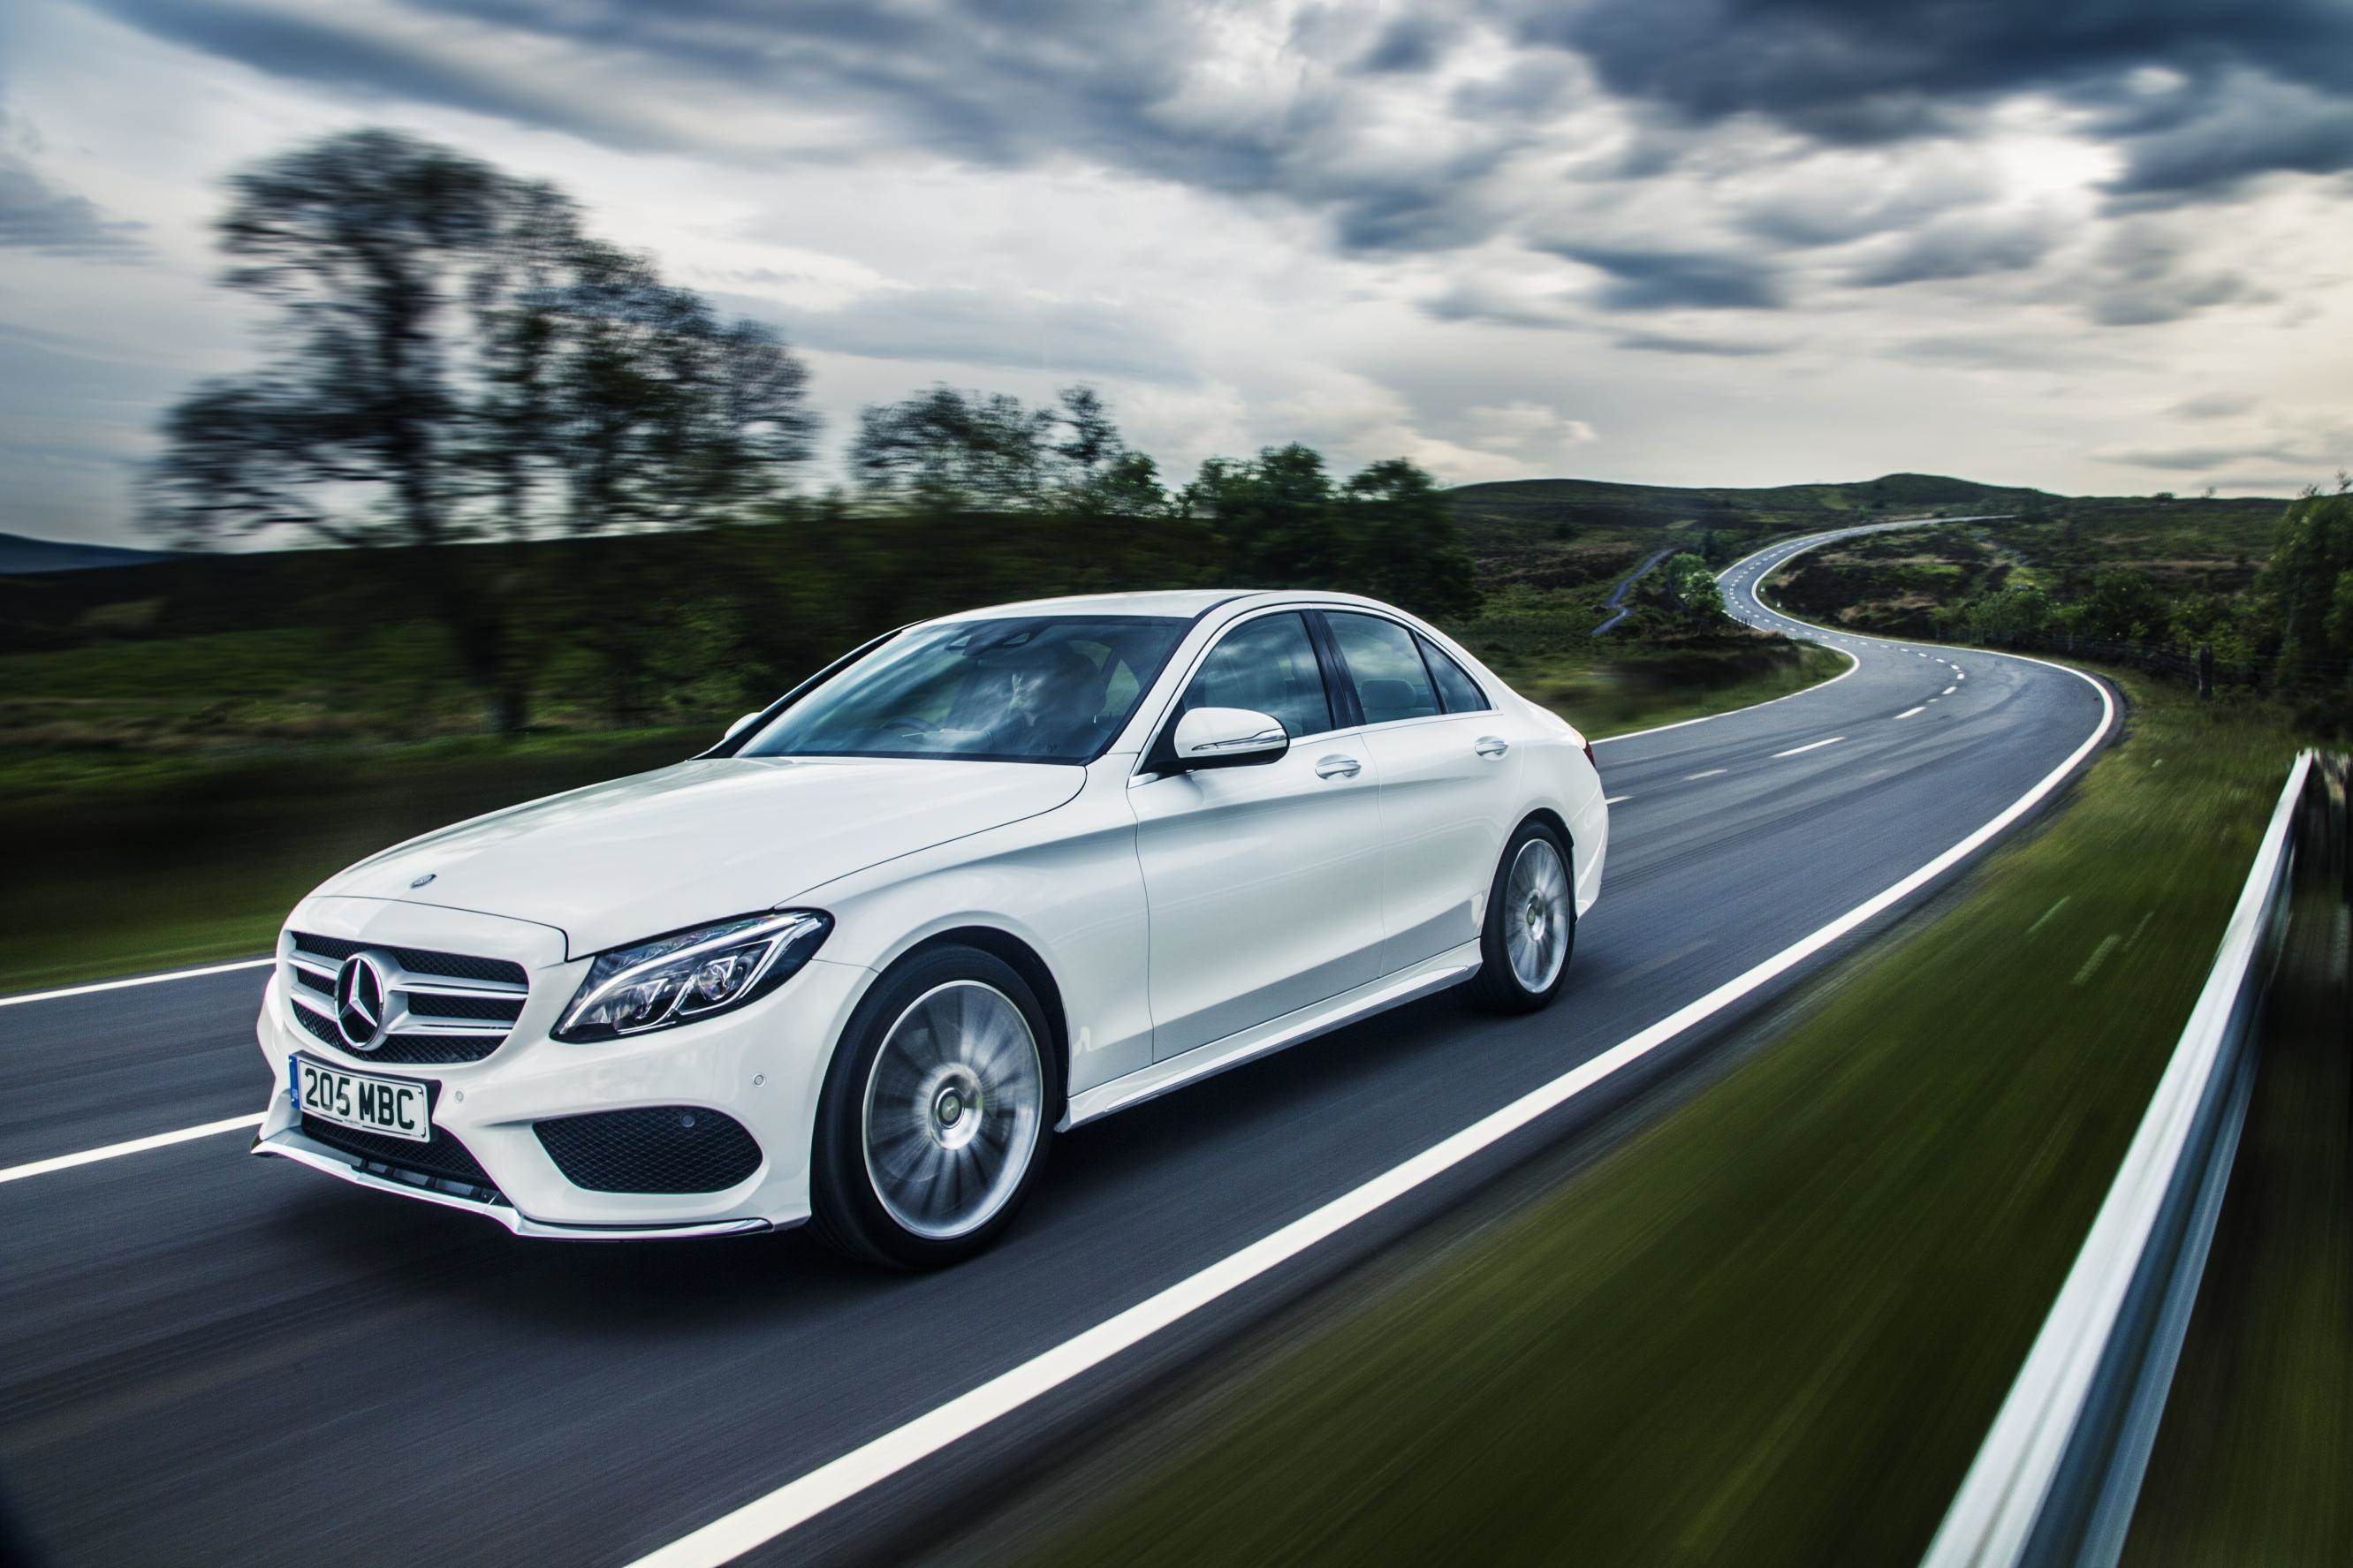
(797, 1501)
(1618, 800)
(1909, 711)
(1960, 674)
(134, 1146)
(138, 980)
(1809, 746)
(2099, 956)
(1949, 690)
(1709, 774)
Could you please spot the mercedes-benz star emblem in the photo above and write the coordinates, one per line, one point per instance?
(360, 996)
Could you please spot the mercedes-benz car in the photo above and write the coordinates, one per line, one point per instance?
(980, 881)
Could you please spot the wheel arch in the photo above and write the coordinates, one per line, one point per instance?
(1025, 960)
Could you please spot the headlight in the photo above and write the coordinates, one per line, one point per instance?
(690, 974)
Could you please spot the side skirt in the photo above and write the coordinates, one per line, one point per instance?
(1449, 968)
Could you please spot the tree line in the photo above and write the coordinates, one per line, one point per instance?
(453, 360)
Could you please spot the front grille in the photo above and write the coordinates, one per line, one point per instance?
(439, 1164)
(415, 1042)
(417, 959)
(402, 1050)
(659, 1149)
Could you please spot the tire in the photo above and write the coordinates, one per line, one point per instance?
(1513, 973)
(937, 1112)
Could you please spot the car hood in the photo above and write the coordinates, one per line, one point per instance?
(701, 841)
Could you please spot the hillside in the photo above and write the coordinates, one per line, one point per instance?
(24, 556)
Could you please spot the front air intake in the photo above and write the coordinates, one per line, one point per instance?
(657, 1149)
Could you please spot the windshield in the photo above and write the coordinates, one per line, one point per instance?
(1035, 689)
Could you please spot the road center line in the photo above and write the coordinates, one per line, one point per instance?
(1949, 690)
(1909, 711)
(1709, 774)
(797, 1501)
(133, 1147)
(1809, 746)
(1618, 800)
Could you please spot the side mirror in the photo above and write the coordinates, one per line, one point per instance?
(1229, 738)
(737, 728)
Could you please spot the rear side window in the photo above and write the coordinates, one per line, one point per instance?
(1267, 666)
(1461, 692)
(1391, 679)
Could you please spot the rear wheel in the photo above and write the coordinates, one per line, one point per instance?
(935, 1114)
(1531, 926)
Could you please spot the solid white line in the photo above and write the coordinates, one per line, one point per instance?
(135, 1146)
(764, 1518)
(1909, 711)
(1709, 774)
(1812, 746)
(136, 980)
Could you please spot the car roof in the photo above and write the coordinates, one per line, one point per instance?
(1187, 604)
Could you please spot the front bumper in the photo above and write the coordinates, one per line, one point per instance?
(764, 1066)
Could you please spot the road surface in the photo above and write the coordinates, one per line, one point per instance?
(210, 1358)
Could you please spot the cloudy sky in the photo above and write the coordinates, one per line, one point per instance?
(2097, 246)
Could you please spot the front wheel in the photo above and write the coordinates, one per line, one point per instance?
(1531, 925)
(935, 1114)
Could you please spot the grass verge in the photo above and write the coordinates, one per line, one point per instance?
(1772, 1326)
(1605, 696)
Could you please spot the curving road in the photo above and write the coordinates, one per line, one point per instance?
(209, 1358)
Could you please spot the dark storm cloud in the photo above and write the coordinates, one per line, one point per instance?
(1866, 71)
(2250, 130)
(1413, 43)
(36, 215)
(1646, 279)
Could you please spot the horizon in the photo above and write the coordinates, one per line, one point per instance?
(1505, 244)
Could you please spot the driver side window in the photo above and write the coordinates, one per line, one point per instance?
(1268, 666)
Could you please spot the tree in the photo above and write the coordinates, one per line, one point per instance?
(944, 450)
(1399, 543)
(455, 360)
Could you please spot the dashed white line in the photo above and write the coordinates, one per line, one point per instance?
(136, 980)
(1949, 690)
(1709, 774)
(1909, 711)
(1809, 746)
(1618, 800)
(133, 1147)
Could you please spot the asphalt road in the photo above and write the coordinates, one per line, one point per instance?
(207, 1358)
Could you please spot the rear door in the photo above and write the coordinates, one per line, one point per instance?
(1448, 781)
(1263, 881)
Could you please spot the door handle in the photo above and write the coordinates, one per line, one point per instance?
(1491, 746)
(1337, 767)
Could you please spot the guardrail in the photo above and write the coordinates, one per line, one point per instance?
(2060, 1468)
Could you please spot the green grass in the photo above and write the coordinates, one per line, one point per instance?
(1771, 1326)
(1637, 691)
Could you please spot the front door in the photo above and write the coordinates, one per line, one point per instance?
(1263, 881)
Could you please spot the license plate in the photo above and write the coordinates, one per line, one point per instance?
(398, 1108)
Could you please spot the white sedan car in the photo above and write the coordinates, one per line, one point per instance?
(981, 880)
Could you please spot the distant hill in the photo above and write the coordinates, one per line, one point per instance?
(21, 556)
(1559, 533)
